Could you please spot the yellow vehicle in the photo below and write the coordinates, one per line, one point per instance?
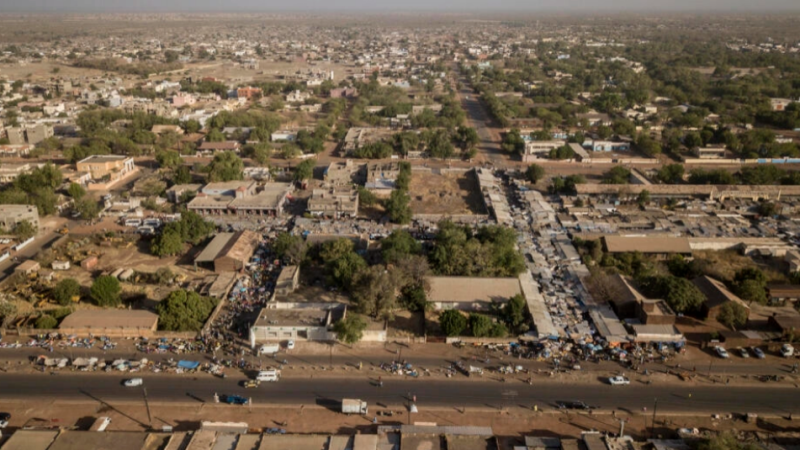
(64, 230)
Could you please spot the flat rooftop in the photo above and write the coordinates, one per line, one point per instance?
(625, 244)
(109, 318)
(305, 317)
(103, 158)
(83, 440)
(466, 289)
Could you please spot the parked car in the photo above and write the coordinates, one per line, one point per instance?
(276, 431)
(573, 404)
(4, 418)
(618, 381)
(234, 400)
(133, 382)
(758, 352)
(743, 353)
(721, 352)
(787, 350)
(248, 384)
(290, 345)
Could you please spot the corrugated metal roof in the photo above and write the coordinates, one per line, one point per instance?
(209, 254)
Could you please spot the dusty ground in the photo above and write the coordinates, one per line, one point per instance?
(450, 193)
(511, 423)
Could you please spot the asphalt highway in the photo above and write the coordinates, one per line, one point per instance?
(328, 392)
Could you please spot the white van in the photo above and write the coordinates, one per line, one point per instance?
(268, 375)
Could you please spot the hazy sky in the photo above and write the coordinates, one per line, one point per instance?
(396, 5)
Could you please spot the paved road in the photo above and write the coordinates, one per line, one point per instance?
(327, 392)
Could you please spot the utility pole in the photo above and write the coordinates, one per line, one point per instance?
(147, 406)
(653, 425)
(709, 368)
(330, 357)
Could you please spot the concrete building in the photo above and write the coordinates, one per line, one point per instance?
(113, 167)
(38, 133)
(341, 173)
(10, 171)
(334, 202)
(15, 135)
(710, 152)
(229, 252)
(298, 321)
(539, 149)
(11, 215)
(175, 192)
(288, 280)
(241, 198)
(471, 294)
(110, 322)
(248, 92)
(381, 177)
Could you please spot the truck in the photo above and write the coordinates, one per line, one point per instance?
(269, 349)
(354, 406)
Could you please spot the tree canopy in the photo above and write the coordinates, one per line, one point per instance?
(184, 311)
(105, 291)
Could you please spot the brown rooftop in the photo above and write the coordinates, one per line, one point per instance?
(716, 293)
(624, 244)
(109, 318)
(466, 289)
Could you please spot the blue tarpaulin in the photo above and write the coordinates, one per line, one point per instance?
(188, 364)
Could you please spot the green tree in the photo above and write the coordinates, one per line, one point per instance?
(183, 175)
(453, 323)
(513, 142)
(374, 291)
(366, 197)
(24, 230)
(617, 175)
(350, 329)
(398, 245)
(513, 312)
(305, 170)
(46, 322)
(679, 293)
(733, 315)
(414, 298)
(65, 290)
(671, 174)
(76, 191)
(88, 208)
(225, 166)
(341, 261)
(184, 311)
(168, 159)
(105, 291)
(767, 209)
(289, 246)
(398, 208)
(466, 137)
(643, 198)
(751, 291)
(480, 324)
(215, 136)
(534, 173)
(167, 243)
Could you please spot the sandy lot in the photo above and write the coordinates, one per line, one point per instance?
(449, 193)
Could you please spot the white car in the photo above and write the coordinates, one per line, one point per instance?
(619, 381)
(787, 350)
(133, 382)
(290, 345)
(743, 353)
(721, 352)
